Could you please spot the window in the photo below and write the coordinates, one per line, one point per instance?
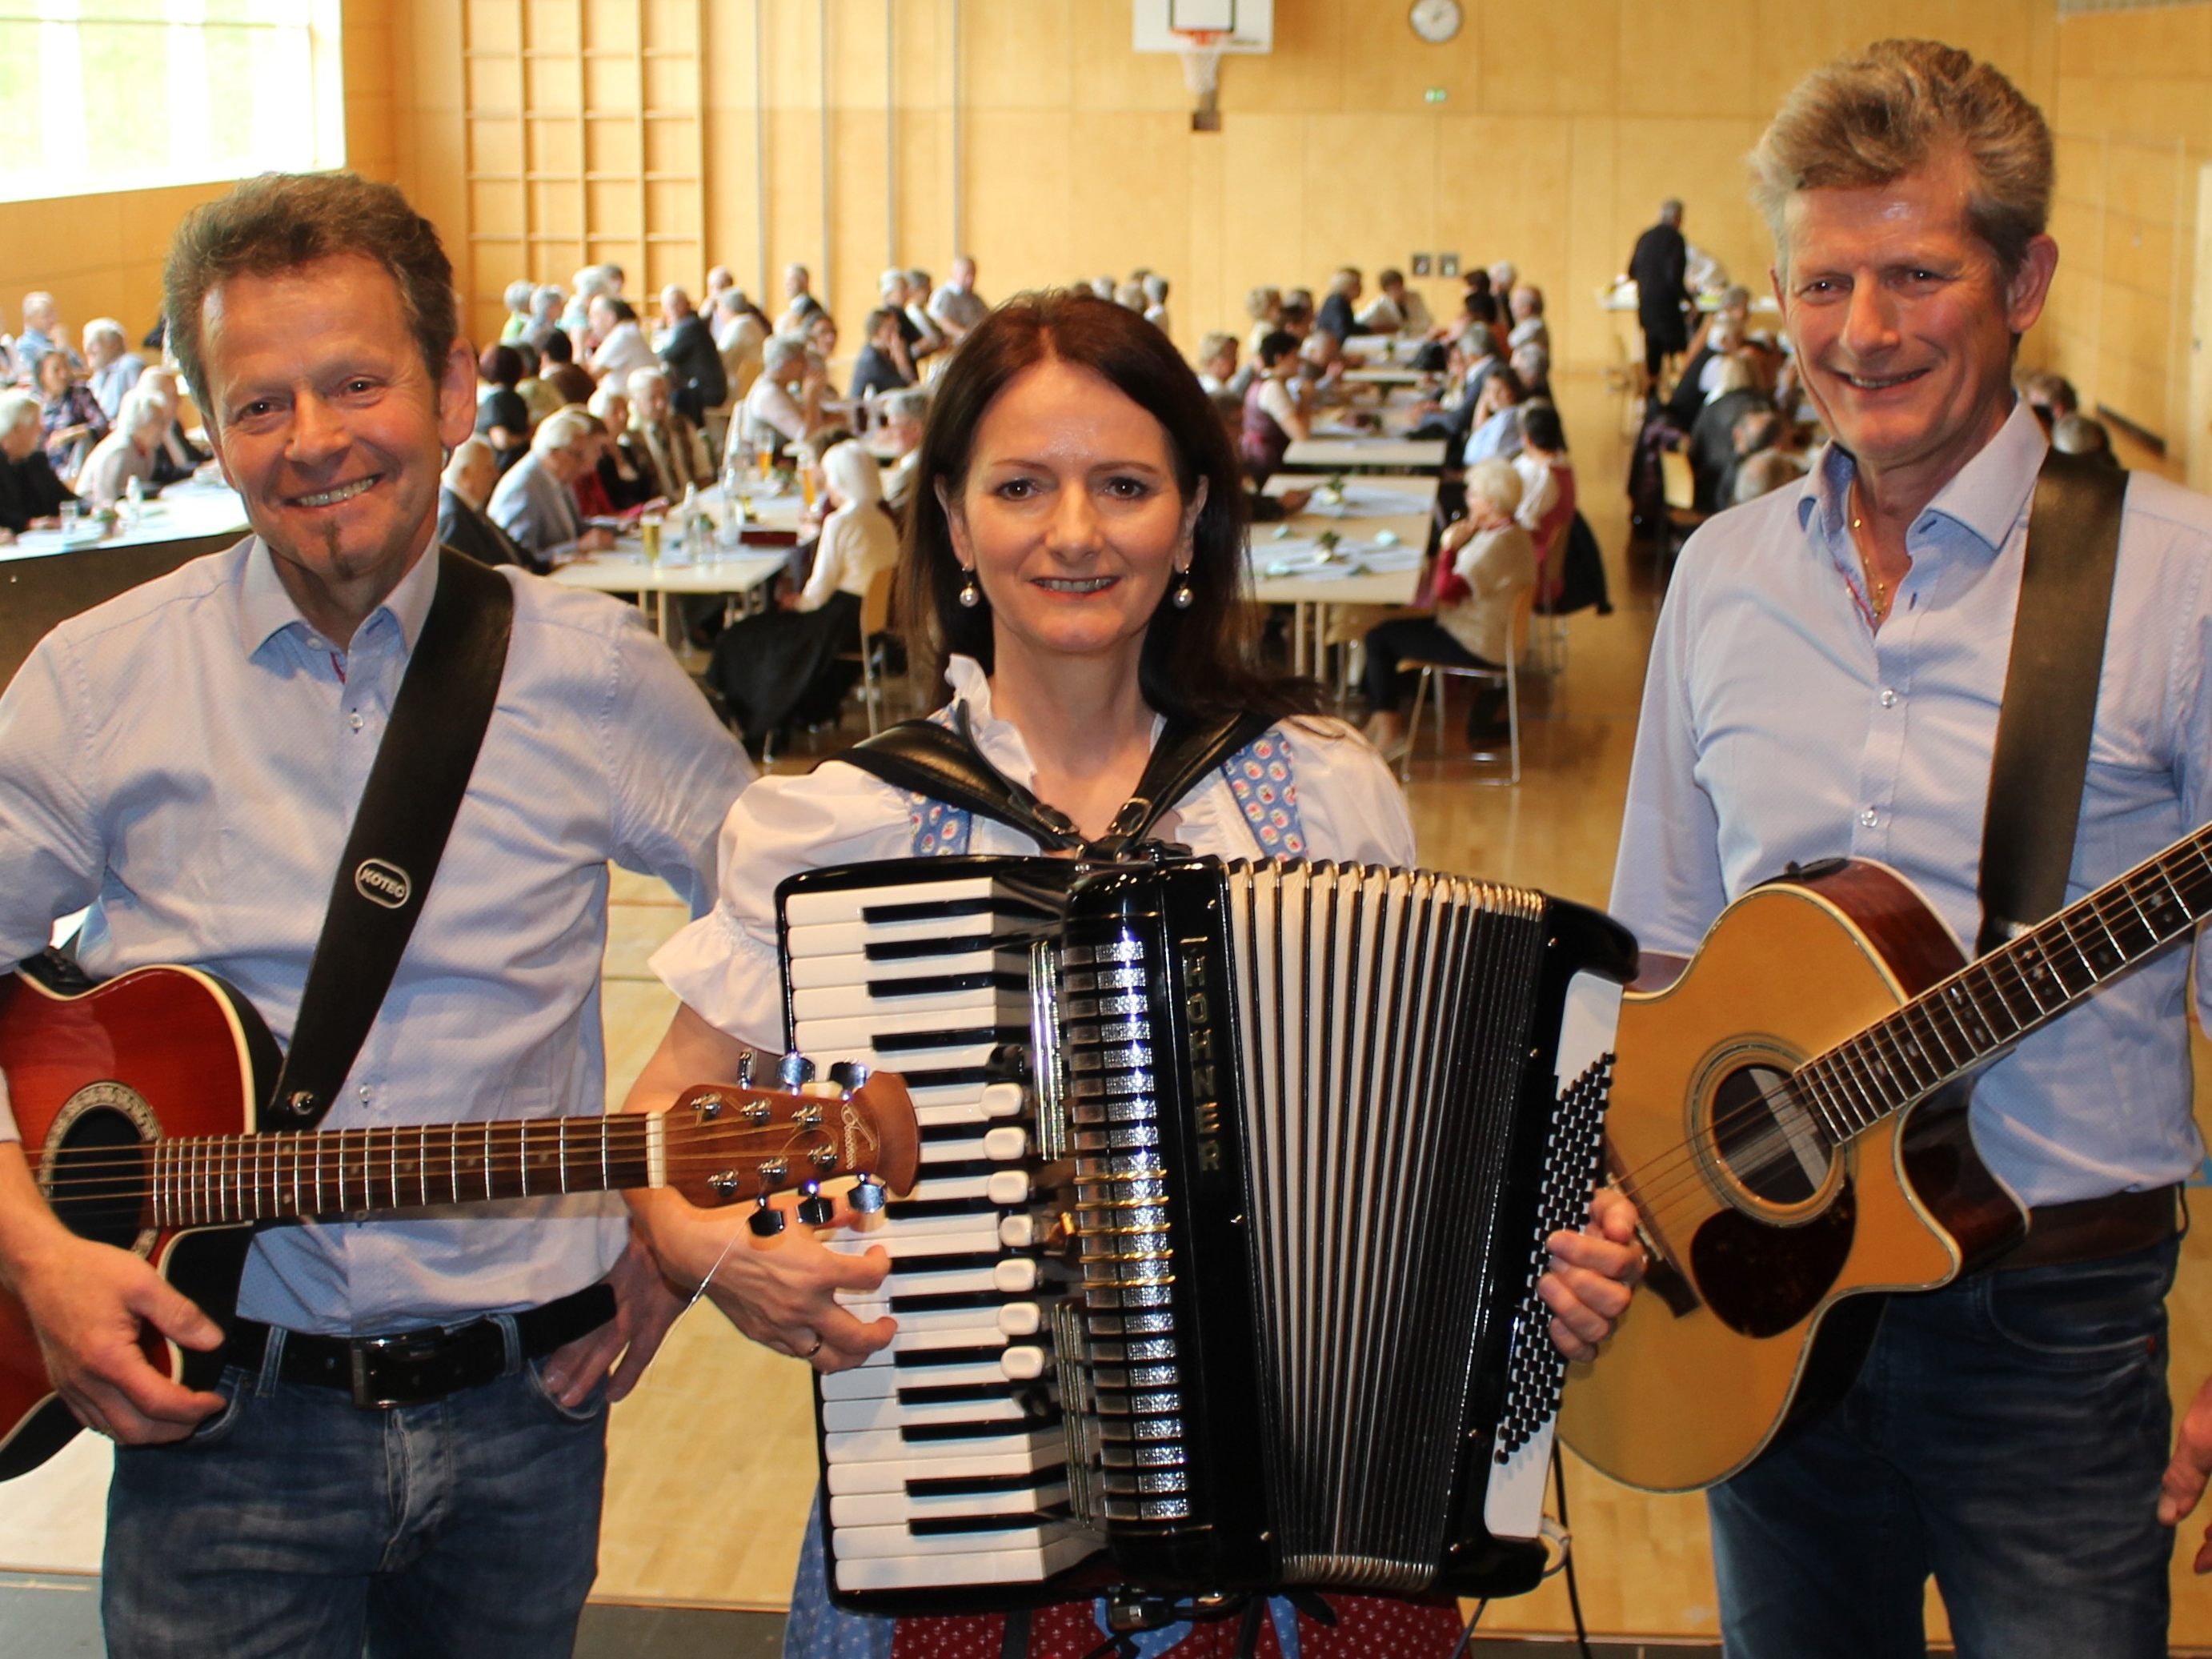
(128, 94)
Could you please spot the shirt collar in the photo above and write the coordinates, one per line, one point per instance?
(1985, 497)
(1000, 740)
(265, 610)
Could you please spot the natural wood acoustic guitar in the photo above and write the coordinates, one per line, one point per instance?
(137, 1100)
(1789, 1119)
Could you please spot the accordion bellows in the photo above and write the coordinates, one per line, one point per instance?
(1220, 1274)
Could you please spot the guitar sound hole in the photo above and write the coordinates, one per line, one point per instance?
(1766, 1137)
(96, 1178)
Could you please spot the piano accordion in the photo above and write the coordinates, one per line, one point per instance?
(1220, 1274)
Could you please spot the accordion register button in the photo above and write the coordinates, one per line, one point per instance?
(1004, 1146)
(1008, 1187)
(1018, 1232)
(1001, 1099)
(1020, 1319)
(1016, 1276)
(1022, 1364)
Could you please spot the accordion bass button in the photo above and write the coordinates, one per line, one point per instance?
(1022, 1364)
(1002, 1099)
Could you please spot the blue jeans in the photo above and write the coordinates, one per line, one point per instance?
(294, 1524)
(2007, 1435)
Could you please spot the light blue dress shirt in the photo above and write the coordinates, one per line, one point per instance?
(1777, 726)
(186, 759)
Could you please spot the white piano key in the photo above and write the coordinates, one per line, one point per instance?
(1016, 1275)
(1021, 1319)
(1007, 1188)
(1019, 1232)
(896, 1508)
(810, 909)
(1024, 1364)
(832, 1004)
(1006, 1144)
(986, 1323)
(872, 1382)
(1004, 1566)
(841, 1416)
(838, 954)
(862, 1543)
(953, 1152)
(884, 1446)
(1003, 1099)
(971, 1234)
(956, 1281)
(984, 1013)
(1044, 1453)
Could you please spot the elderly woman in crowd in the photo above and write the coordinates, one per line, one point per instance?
(612, 484)
(126, 453)
(520, 298)
(781, 669)
(71, 416)
(31, 495)
(1483, 562)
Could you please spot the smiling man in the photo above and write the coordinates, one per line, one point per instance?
(1825, 683)
(186, 761)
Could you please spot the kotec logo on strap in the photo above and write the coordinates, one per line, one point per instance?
(382, 883)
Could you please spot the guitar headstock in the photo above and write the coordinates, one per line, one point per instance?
(727, 1141)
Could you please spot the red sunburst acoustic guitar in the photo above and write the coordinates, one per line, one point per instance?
(138, 1101)
(1789, 1119)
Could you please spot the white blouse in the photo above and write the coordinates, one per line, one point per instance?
(724, 966)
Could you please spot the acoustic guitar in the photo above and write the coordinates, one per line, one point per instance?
(1789, 1119)
(137, 1101)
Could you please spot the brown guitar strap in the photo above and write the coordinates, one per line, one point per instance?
(407, 809)
(2050, 702)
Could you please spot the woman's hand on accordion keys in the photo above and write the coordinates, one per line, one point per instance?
(1592, 1274)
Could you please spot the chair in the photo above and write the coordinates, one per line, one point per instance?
(1436, 673)
(1678, 486)
(1630, 385)
(875, 629)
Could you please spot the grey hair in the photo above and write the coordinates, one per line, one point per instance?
(911, 404)
(15, 408)
(104, 328)
(518, 293)
(1865, 121)
(890, 280)
(640, 375)
(1764, 472)
(456, 464)
(563, 428)
(782, 349)
(139, 406)
(1496, 482)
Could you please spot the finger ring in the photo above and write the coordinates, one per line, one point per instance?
(811, 1352)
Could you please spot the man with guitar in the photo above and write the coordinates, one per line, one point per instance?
(1825, 685)
(406, 1444)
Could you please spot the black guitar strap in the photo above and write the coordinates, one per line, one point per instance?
(944, 764)
(407, 811)
(2050, 702)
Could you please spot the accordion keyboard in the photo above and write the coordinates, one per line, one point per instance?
(945, 1454)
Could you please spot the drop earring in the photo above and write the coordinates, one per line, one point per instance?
(970, 594)
(1183, 596)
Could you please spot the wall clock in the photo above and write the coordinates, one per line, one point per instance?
(1435, 21)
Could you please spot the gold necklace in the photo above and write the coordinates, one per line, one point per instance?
(1877, 590)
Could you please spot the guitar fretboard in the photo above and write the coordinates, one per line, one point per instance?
(237, 1178)
(1992, 1003)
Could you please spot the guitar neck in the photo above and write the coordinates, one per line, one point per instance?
(1990, 1004)
(226, 1179)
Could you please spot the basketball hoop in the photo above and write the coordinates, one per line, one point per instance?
(1201, 50)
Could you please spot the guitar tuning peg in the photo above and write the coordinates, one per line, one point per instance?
(766, 1220)
(848, 1074)
(868, 1196)
(746, 1069)
(794, 1069)
(814, 1209)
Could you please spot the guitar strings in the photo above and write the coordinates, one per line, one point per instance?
(1662, 1184)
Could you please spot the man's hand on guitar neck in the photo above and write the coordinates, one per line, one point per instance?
(2185, 1475)
(88, 1303)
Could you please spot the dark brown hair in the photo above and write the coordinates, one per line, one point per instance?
(1195, 661)
(282, 221)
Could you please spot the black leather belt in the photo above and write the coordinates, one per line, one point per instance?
(417, 1367)
(2094, 1229)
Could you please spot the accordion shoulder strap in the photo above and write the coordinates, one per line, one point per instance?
(941, 762)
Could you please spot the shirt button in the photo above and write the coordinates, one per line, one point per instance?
(1889, 698)
(364, 1092)
(1868, 817)
(354, 720)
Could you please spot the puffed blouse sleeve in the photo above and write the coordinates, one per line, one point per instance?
(725, 965)
(1348, 804)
